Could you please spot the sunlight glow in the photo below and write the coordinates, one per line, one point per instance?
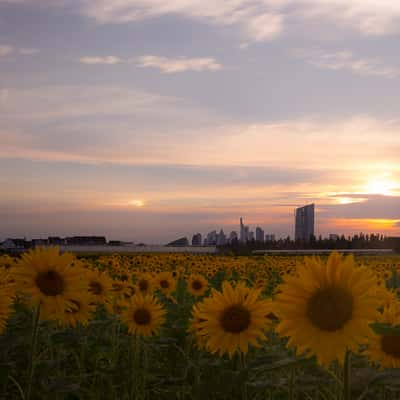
(383, 185)
(137, 203)
(349, 200)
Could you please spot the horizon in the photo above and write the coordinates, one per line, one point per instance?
(147, 120)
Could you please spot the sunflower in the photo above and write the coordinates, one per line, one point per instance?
(49, 279)
(6, 301)
(166, 282)
(120, 288)
(143, 315)
(99, 285)
(385, 349)
(197, 285)
(326, 309)
(229, 321)
(80, 312)
(145, 283)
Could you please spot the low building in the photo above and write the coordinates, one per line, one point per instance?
(55, 241)
(15, 244)
(39, 242)
(270, 237)
(86, 241)
(181, 242)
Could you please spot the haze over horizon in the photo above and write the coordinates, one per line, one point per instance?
(147, 120)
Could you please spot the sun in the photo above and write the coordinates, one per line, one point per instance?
(381, 185)
(137, 203)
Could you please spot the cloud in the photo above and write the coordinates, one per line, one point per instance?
(374, 207)
(181, 64)
(5, 50)
(346, 60)
(265, 26)
(257, 20)
(368, 17)
(109, 60)
(28, 51)
(75, 123)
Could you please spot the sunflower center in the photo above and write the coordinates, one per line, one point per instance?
(95, 287)
(197, 285)
(329, 309)
(391, 345)
(142, 316)
(235, 319)
(50, 283)
(164, 284)
(143, 285)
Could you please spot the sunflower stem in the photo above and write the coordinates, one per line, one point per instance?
(347, 376)
(32, 359)
(242, 360)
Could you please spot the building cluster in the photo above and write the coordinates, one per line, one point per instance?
(22, 244)
(304, 231)
(245, 235)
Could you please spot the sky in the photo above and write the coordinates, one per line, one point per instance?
(148, 120)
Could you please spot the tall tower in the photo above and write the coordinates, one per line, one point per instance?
(241, 231)
(304, 221)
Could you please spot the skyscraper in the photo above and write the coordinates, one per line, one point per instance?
(304, 223)
(197, 239)
(259, 234)
(221, 238)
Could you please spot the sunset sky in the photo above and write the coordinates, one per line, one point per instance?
(147, 120)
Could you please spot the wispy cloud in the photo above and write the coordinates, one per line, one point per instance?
(108, 60)
(257, 20)
(5, 50)
(346, 60)
(368, 17)
(75, 123)
(25, 51)
(181, 64)
(265, 26)
(28, 51)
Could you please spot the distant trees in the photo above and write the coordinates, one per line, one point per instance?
(358, 241)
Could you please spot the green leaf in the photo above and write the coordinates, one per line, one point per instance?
(385, 329)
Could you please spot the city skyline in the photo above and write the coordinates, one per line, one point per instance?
(145, 120)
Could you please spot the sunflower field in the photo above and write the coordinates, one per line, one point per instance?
(191, 327)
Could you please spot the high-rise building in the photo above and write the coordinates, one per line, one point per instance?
(196, 239)
(241, 231)
(270, 237)
(259, 234)
(212, 238)
(221, 238)
(304, 219)
(233, 236)
(244, 232)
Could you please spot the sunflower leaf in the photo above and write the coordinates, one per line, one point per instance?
(385, 329)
